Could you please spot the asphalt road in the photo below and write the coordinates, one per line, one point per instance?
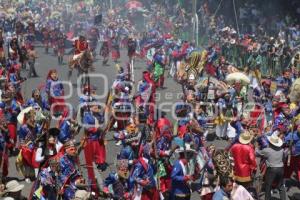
(103, 78)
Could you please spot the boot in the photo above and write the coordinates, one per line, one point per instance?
(69, 74)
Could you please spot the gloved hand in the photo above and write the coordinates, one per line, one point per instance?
(144, 182)
(167, 153)
(105, 190)
(187, 178)
(127, 195)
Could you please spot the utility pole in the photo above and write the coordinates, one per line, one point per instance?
(195, 23)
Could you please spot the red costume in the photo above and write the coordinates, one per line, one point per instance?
(46, 38)
(2, 54)
(244, 161)
(3, 148)
(148, 79)
(80, 46)
(94, 150)
(162, 125)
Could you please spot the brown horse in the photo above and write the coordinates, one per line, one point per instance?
(83, 64)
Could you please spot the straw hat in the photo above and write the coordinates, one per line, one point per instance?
(245, 138)
(275, 140)
(14, 186)
(82, 195)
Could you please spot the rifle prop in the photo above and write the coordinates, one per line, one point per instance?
(291, 144)
(142, 138)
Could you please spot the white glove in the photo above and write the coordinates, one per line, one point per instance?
(168, 152)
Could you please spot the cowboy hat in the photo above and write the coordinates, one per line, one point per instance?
(245, 138)
(275, 140)
(82, 195)
(14, 186)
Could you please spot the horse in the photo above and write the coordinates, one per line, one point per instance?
(83, 63)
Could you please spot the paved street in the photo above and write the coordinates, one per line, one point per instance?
(45, 62)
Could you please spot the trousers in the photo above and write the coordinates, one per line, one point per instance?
(274, 174)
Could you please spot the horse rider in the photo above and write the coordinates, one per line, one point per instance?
(80, 46)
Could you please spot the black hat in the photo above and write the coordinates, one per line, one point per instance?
(53, 132)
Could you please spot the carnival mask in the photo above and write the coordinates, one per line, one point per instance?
(71, 151)
(122, 167)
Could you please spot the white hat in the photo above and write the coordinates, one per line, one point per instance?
(8, 198)
(232, 41)
(13, 186)
(186, 149)
(225, 29)
(245, 138)
(191, 77)
(82, 195)
(275, 140)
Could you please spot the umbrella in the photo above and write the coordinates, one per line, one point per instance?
(133, 5)
(238, 76)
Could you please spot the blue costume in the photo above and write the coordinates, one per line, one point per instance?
(163, 144)
(65, 131)
(126, 153)
(142, 170)
(295, 137)
(27, 133)
(69, 174)
(282, 80)
(48, 181)
(90, 119)
(179, 185)
(115, 186)
(43, 103)
(13, 110)
(94, 150)
(281, 121)
(84, 99)
(13, 78)
(54, 88)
